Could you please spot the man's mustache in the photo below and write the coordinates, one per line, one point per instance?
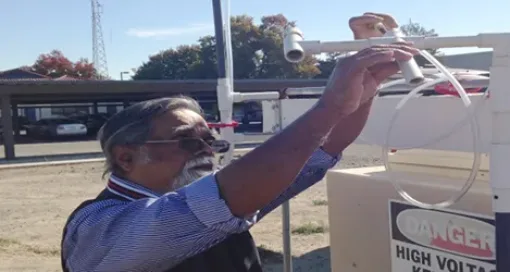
(199, 161)
(193, 170)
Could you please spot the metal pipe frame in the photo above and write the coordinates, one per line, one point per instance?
(295, 49)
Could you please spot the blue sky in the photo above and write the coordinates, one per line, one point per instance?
(135, 29)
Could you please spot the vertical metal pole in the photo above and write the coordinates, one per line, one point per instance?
(15, 120)
(95, 109)
(502, 241)
(224, 91)
(287, 248)
(6, 121)
(500, 153)
(220, 39)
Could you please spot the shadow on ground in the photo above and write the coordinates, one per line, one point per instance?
(317, 260)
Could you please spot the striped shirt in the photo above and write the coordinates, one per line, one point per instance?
(153, 230)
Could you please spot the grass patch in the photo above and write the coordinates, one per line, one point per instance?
(320, 202)
(308, 229)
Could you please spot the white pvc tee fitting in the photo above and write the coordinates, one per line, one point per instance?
(410, 69)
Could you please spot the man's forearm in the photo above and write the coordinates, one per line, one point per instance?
(260, 176)
(314, 171)
(346, 130)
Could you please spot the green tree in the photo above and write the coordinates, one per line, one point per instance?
(179, 63)
(327, 64)
(257, 53)
(208, 68)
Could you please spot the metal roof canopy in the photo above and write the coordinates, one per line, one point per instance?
(33, 92)
(83, 98)
(148, 86)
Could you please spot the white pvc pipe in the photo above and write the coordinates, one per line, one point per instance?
(408, 68)
(225, 92)
(295, 47)
(392, 86)
(305, 91)
(240, 97)
(317, 47)
(229, 58)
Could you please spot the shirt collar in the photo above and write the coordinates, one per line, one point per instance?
(129, 190)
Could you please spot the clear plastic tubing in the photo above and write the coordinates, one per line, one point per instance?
(474, 128)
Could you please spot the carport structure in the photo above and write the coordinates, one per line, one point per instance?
(14, 93)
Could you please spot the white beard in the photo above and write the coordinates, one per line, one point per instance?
(189, 173)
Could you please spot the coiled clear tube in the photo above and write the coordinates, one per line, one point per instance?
(474, 128)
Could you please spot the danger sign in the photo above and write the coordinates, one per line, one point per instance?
(440, 240)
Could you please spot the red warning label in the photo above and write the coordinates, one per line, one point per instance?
(439, 240)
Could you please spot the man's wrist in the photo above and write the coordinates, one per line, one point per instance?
(333, 106)
(345, 132)
(334, 156)
(333, 148)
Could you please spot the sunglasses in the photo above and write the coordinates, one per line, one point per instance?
(195, 145)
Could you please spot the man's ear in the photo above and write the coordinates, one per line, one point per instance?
(124, 157)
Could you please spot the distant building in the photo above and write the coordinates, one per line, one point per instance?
(21, 74)
(476, 61)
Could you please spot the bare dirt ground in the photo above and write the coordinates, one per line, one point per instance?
(34, 204)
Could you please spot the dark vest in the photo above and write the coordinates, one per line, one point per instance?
(237, 253)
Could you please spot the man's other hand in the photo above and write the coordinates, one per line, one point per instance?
(365, 26)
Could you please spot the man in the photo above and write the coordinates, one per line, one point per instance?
(165, 209)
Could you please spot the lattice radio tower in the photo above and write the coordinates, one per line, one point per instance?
(98, 49)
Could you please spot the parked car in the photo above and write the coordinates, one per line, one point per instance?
(22, 122)
(56, 127)
(93, 122)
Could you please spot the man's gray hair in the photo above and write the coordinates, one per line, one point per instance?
(133, 125)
